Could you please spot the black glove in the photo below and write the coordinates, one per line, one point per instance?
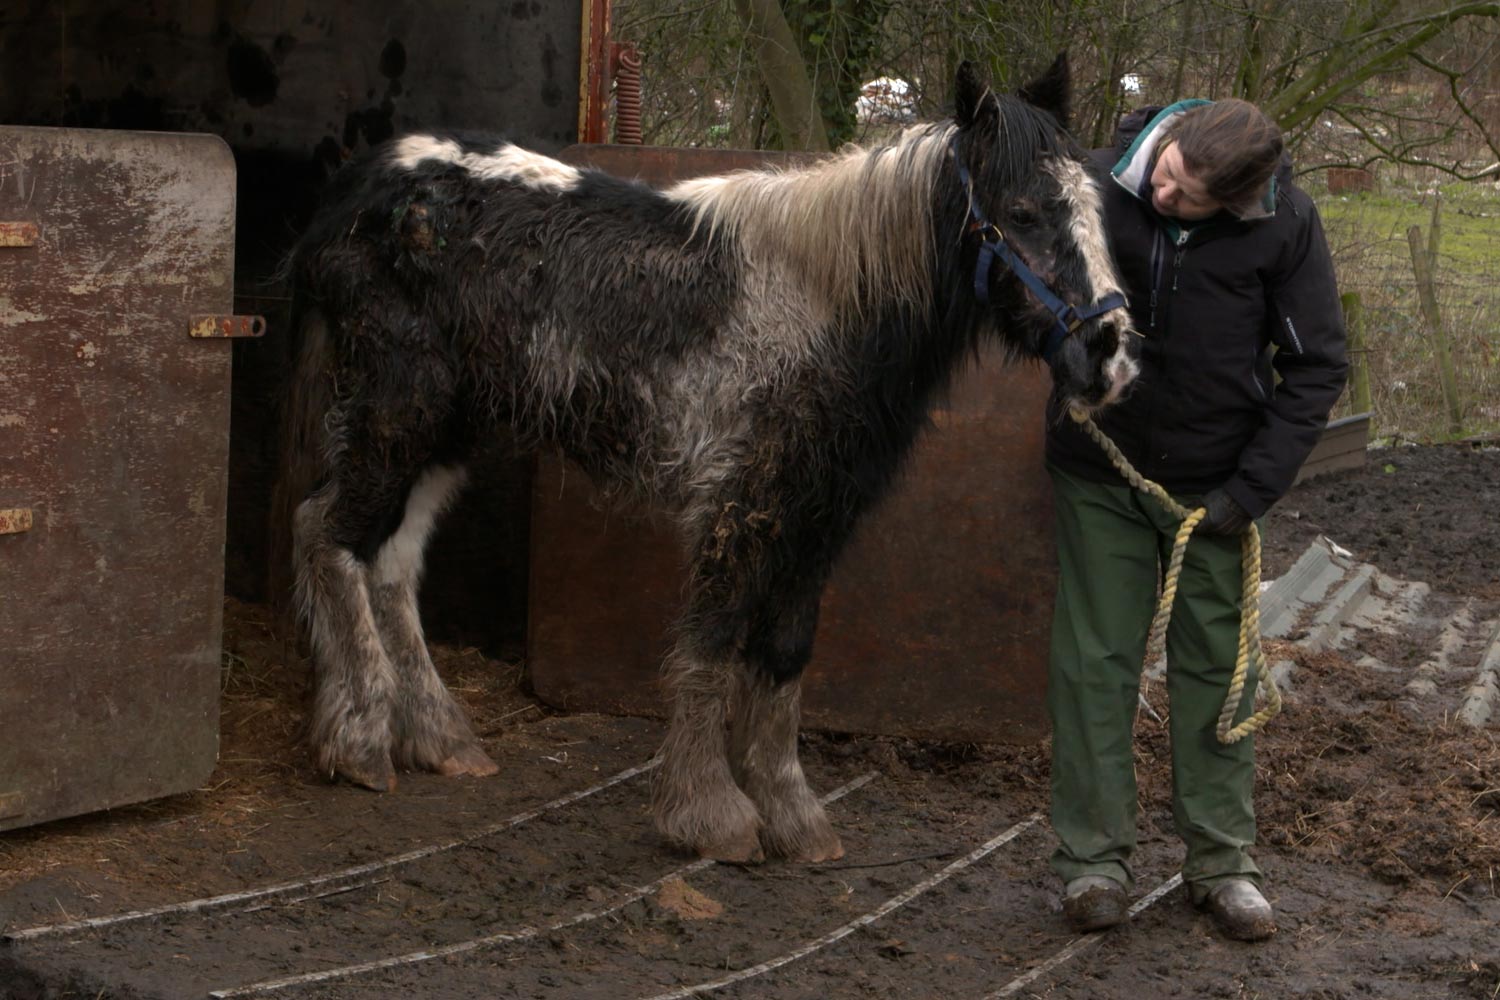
(1225, 516)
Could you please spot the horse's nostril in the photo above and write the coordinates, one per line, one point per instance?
(1125, 339)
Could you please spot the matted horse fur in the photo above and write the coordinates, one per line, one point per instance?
(754, 352)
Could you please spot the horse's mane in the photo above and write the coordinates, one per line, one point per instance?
(858, 227)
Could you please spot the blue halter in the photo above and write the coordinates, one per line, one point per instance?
(994, 245)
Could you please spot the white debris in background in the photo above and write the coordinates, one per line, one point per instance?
(885, 99)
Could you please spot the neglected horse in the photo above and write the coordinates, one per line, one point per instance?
(754, 352)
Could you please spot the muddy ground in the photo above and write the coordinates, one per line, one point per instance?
(1380, 830)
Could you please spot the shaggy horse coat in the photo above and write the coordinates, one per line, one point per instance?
(755, 352)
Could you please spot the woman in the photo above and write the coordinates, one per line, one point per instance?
(1223, 259)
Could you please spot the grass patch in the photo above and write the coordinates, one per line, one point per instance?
(1367, 234)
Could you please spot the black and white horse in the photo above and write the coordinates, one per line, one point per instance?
(754, 351)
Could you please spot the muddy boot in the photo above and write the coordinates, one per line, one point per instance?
(1094, 902)
(1240, 910)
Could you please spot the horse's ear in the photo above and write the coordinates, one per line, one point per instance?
(1053, 90)
(971, 93)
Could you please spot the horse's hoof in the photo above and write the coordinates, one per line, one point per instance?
(468, 759)
(377, 777)
(803, 835)
(743, 849)
(830, 850)
(718, 822)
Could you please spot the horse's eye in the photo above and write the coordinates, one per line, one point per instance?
(1023, 217)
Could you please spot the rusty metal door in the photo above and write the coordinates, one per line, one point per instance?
(114, 433)
(937, 618)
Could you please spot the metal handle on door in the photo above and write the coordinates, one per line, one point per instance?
(19, 234)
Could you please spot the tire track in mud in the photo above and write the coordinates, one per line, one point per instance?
(512, 872)
(1080, 944)
(898, 861)
(516, 936)
(859, 923)
(339, 881)
(992, 926)
(509, 882)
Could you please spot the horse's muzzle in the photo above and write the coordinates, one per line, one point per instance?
(1120, 368)
(1109, 358)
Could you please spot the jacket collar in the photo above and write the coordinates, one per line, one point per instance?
(1140, 133)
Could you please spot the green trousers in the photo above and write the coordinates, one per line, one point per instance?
(1112, 544)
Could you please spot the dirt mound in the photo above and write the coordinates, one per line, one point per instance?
(1419, 513)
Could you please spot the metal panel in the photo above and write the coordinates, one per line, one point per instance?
(114, 434)
(322, 76)
(1340, 447)
(936, 622)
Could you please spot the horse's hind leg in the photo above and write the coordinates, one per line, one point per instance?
(429, 729)
(767, 714)
(358, 546)
(355, 683)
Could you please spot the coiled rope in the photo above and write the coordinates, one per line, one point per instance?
(1250, 650)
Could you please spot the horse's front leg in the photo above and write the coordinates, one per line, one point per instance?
(694, 796)
(767, 716)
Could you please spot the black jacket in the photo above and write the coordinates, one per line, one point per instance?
(1210, 299)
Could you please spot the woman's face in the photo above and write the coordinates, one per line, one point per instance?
(1176, 192)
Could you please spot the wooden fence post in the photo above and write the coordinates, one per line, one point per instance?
(1424, 266)
(1359, 358)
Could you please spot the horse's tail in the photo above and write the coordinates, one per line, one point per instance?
(304, 412)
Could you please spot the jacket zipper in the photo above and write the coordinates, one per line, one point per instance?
(1151, 461)
(1182, 239)
(1156, 255)
(1156, 266)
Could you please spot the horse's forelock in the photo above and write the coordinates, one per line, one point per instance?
(1004, 156)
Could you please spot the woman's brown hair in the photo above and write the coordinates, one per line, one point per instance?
(1231, 147)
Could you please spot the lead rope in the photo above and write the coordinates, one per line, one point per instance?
(1250, 650)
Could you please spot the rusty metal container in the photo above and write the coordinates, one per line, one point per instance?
(115, 290)
(936, 621)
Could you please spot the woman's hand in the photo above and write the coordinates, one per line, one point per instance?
(1224, 516)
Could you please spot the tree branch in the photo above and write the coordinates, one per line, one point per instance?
(785, 74)
(1463, 106)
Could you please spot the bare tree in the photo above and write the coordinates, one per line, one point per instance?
(784, 71)
(1404, 81)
